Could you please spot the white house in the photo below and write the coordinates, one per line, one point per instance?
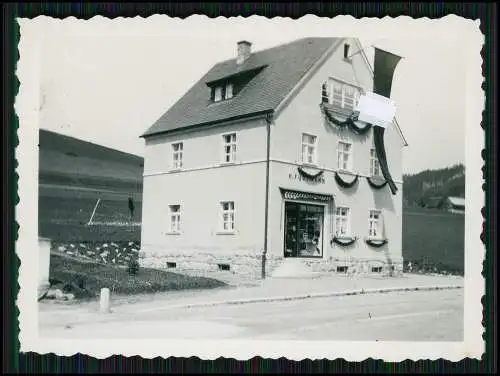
(261, 162)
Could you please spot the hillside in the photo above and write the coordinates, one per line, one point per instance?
(449, 181)
(86, 190)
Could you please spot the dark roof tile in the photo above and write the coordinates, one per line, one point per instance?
(284, 65)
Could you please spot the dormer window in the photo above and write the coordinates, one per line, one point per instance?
(217, 93)
(222, 92)
(231, 84)
(229, 91)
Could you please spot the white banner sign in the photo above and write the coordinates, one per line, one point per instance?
(376, 109)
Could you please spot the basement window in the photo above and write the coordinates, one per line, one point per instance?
(224, 267)
(171, 265)
(341, 269)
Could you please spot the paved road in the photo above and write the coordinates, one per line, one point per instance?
(412, 316)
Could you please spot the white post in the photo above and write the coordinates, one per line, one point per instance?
(104, 300)
(93, 213)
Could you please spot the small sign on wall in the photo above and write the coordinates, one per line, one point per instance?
(302, 175)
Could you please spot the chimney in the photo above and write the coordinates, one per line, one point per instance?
(243, 52)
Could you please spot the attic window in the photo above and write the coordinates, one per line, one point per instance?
(222, 92)
(346, 51)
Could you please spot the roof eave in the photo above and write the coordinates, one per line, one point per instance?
(208, 123)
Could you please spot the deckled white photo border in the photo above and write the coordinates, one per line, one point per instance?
(34, 32)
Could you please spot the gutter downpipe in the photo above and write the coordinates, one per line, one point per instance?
(269, 119)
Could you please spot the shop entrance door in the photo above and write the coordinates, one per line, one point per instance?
(303, 230)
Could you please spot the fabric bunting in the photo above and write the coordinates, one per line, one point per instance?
(349, 122)
(308, 175)
(344, 243)
(375, 185)
(376, 243)
(343, 183)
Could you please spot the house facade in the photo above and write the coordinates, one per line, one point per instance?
(255, 166)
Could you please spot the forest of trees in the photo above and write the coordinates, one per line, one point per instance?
(448, 181)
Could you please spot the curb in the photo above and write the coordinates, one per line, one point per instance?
(318, 295)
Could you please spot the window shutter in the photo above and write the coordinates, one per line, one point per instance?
(212, 93)
(223, 91)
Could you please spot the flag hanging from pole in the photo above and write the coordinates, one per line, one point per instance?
(384, 67)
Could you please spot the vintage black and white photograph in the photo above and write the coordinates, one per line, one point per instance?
(250, 186)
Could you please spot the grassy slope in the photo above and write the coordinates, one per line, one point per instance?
(91, 277)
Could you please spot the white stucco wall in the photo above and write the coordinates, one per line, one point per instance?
(200, 188)
(303, 114)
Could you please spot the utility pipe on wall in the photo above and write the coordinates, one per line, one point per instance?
(269, 119)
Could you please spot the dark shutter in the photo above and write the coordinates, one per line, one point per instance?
(212, 93)
(346, 51)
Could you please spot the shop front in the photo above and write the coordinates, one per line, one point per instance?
(305, 223)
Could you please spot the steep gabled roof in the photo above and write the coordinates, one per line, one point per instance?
(282, 67)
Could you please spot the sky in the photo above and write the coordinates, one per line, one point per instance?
(107, 85)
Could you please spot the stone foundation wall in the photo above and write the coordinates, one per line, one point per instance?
(362, 266)
(247, 264)
(244, 263)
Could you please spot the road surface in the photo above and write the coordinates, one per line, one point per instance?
(404, 316)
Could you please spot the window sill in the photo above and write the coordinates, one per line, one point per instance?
(347, 172)
(223, 100)
(173, 233)
(375, 238)
(225, 233)
(174, 170)
(339, 110)
(229, 163)
(346, 237)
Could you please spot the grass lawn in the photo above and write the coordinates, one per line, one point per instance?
(434, 239)
(85, 279)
